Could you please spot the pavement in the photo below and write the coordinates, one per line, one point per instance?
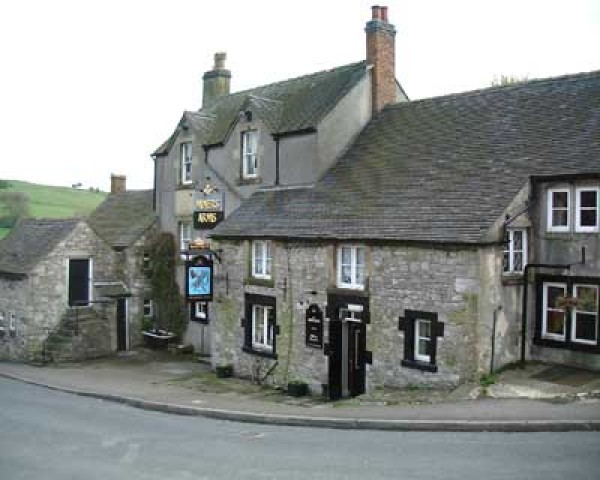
(537, 398)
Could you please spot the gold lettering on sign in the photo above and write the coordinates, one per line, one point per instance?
(207, 217)
(208, 204)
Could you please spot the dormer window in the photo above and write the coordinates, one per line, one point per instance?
(186, 163)
(587, 211)
(250, 154)
(559, 204)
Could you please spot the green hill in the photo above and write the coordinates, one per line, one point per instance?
(50, 202)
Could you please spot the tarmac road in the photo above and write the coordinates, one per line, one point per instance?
(54, 435)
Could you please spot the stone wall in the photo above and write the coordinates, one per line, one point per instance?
(445, 281)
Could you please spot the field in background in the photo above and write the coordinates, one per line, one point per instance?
(54, 202)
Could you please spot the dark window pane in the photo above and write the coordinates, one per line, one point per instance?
(585, 327)
(517, 240)
(555, 323)
(588, 199)
(505, 266)
(518, 262)
(559, 218)
(559, 199)
(588, 218)
(554, 293)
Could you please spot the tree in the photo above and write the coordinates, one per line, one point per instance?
(13, 205)
(508, 80)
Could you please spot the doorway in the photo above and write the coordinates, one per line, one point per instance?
(347, 343)
(122, 342)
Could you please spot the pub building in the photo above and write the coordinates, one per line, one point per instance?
(410, 267)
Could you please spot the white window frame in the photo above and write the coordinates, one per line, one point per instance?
(148, 304)
(2, 326)
(185, 152)
(184, 241)
(90, 281)
(264, 260)
(575, 311)
(146, 261)
(422, 357)
(264, 311)
(354, 283)
(550, 208)
(510, 250)
(578, 208)
(249, 156)
(545, 333)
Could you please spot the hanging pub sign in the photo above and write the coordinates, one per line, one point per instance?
(208, 208)
(199, 279)
(314, 326)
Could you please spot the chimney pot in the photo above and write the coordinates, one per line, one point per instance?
(384, 16)
(220, 58)
(117, 183)
(375, 9)
(215, 82)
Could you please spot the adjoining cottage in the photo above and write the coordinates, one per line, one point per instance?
(48, 269)
(72, 289)
(282, 135)
(127, 222)
(457, 234)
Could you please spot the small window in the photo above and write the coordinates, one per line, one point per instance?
(515, 251)
(12, 322)
(422, 340)
(587, 209)
(80, 282)
(559, 217)
(185, 235)
(351, 267)
(2, 325)
(146, 262)
(554, 313)
(148, 308)
(250, 154)
(421, 333)
(261, 259)
(186, 163)
(585, 314)
(260, 328)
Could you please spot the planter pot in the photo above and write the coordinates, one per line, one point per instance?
(224, 371)
(297, 389)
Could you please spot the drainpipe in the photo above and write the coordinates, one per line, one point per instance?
(276, 138)
(524, 303)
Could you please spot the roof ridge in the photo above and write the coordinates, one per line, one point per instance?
(572, 77)
(280, 82)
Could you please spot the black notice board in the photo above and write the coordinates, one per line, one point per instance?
(314, 326)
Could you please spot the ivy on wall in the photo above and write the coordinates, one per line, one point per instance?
(170, 311)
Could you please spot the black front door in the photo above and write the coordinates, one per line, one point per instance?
(121, 324)
(347, 344)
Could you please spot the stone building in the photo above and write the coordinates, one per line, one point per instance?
(127, 222)
(48, 275)
(457, 234)
(72, 289)
(282, 135)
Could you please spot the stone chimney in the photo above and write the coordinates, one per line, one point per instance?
(381, 54)
(117, 183)
(216, 81)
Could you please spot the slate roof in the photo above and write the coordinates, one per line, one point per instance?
(30, 241)
(288, 106)
(440, 169)
(123, 217)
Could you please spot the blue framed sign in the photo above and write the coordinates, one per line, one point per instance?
(199, 279)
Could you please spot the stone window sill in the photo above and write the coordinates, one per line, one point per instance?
(426, 367)
(259, 353)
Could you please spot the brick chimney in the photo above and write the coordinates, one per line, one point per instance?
(117, 183)
(381, 54)
(216, 81)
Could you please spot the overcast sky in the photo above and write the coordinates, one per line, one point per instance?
(92, 87)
